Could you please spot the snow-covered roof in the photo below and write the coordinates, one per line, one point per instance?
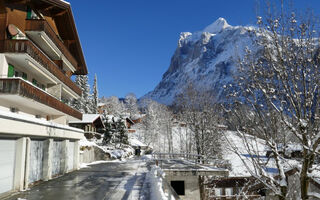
(87, 118)
(101, 104)
(65, 2)
(136, 142)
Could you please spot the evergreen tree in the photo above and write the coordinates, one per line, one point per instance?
(79, 103)
(109, 130)
(121, 131)
(84, 103)
(115, 131)
(86, 94)
(95, 95)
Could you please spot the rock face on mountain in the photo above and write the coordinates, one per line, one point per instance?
(205, 58)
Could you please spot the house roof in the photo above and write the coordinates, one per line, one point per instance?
(129, 120)
(87, 118)
(62, 14)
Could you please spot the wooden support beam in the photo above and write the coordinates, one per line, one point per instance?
(60, 13)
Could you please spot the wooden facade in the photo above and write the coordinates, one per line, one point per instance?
(43, 25)
(39, 38)
(56, 20)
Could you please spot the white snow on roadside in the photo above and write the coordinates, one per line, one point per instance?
(154, 179)
(115, 153)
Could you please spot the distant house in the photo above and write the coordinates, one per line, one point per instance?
(293, 180)
(92, 124)
(231, 188)
(102, 107)
(129, 123)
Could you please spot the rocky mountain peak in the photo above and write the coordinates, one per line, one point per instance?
(204, 58)
(217, 26)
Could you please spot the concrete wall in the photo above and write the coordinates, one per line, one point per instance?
(191, 180)
(26, 126)
(191, 184)
(91, 154)
(3, 66)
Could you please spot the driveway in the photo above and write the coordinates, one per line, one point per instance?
(118, 180)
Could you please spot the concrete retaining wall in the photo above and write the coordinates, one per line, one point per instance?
(91, 154)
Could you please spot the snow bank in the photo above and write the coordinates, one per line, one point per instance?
(123, 151)
(154, 179)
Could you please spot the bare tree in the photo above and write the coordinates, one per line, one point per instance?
(196, 108)
(157, 125)
(280, 87)
(131, 104)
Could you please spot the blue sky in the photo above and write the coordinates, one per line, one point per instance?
(129, 43)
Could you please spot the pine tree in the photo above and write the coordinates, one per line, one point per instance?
(95, 95)
(79, 103)
(86, 94)
(109, 130)
(84, 103)
(121, 131)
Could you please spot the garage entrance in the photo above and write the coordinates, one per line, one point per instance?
(178, 186)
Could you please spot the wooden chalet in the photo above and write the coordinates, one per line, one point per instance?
(92, 124)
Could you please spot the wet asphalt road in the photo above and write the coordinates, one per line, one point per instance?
(113, 180)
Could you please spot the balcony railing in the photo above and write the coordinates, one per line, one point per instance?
(26, 46)
(15, 86)
(42, 25)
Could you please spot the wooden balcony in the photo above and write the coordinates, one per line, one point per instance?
(37, 25)
(27, 47)
(15, 86)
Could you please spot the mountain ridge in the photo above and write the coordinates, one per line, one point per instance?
(205, 58)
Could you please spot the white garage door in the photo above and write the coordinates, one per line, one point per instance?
(7, 157)
(56, 158)
(36, 161)
(70, 156)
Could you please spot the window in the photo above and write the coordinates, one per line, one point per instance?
(24, 76)
(34, 82)
(10, 70)
(229, 191)
(218, 191)
(178, 186)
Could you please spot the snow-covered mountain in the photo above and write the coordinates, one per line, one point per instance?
(206, 58)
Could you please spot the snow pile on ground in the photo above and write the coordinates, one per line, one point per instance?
(115, 151)
(86, 143)
(154, 179)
